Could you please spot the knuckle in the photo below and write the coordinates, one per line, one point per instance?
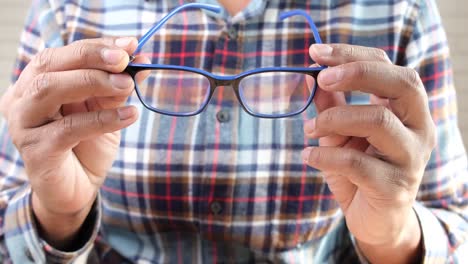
(354, 161)
(41, 61)
(382, 117)
(413, 80)
(381, 55)
(64, 130)
(349, 51)
(315, 156)
(99, 120)
(108, 41)
(81, 50)
(89, 80)
(362, 69)
(326, 117)
(26, 143)
(40, 86)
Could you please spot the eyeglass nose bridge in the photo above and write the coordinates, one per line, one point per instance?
(223, 82)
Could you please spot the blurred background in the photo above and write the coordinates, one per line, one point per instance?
(454, 15)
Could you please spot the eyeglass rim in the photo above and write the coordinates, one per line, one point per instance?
(217, 80)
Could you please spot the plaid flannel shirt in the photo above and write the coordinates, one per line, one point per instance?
(224, 187)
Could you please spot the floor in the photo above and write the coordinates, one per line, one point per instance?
(454, 15)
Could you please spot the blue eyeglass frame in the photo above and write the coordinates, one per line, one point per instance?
(216, 80)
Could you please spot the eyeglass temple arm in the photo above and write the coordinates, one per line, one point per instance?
(156, 27)
(217, 9)
(303, 13)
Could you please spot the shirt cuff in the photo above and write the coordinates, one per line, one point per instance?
(360, 255)
(434, 237)
(22, 240)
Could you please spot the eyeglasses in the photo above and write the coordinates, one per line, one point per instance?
(273, 92)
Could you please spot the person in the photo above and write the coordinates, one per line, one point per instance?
(374, 171)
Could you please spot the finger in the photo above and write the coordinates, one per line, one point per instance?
(332, 55)
(325, 99)
(377, 124)
(126, 43)
(93, 105)
(49, 91)
(110, 55)
(402, 86)
(370, 174)
(100, 103)
(337, 54)
(322, 101)
(66, 133)
(96, 104)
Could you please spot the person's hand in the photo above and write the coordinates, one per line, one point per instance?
(64, 116)
(372, 156)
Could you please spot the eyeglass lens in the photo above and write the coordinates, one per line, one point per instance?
(276, 93)
(184, 92)
(173, 90)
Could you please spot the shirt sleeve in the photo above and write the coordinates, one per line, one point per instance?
(19, 240)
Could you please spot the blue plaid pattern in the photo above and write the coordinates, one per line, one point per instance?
(197, 190)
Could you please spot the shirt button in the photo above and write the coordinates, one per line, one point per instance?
(223, 116)
(216, 207)
(28, 254)
(232, 33)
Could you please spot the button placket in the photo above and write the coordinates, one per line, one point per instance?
(224, 64)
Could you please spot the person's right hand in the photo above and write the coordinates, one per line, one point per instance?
(64, 116)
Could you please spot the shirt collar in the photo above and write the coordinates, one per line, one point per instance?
(255, 7)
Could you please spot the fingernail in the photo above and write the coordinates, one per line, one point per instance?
(309, 127)
(112, 56)
(331, 76)
(121, 81)
(126, 112)
(305, 154)
(123, 42)
(323, 50)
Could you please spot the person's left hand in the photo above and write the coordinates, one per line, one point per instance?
(372, 156)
